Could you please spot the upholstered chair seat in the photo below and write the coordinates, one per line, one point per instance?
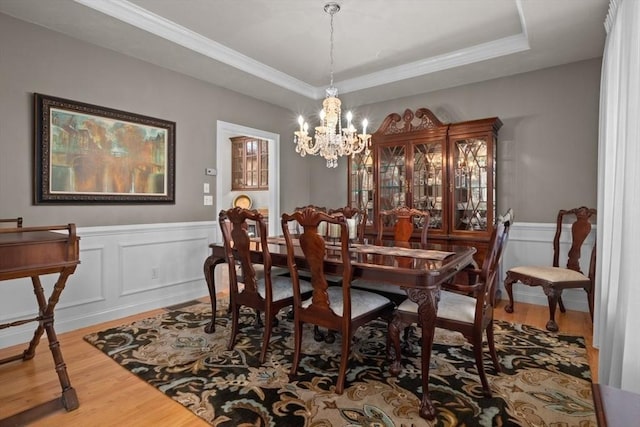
(452, 306)
(361, 301)
(550, 274)
(281, 287)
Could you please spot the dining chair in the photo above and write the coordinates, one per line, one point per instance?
(337, 308)
(468, 310)
(356, 223)
(323, 227)
(270, 293)
(403, 221)
(554, 279)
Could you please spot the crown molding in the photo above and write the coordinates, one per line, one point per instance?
(145, 20)
(457, 58)
(132, 14)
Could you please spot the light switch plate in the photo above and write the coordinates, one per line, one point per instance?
(206, 187)
(208, 200)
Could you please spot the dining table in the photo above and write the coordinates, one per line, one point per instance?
(417, 268)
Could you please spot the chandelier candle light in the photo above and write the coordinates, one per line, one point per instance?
(331, 139)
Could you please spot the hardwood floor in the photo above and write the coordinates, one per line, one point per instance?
(111, 396)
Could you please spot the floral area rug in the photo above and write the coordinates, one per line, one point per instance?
(545, 379)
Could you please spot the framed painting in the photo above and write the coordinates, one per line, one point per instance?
(90, 154)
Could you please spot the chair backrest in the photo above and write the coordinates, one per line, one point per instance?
(238, 244)
(314, 248)
(491, 264)
(404, 221)
(324, 230)
(581, 227)
(11, 222)
(356, 223)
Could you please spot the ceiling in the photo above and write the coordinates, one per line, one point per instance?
(278, 50)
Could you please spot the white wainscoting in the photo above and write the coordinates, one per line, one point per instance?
(129, 269)
(532, 244)
(123, 270)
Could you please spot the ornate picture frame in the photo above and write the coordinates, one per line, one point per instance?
(90, 154)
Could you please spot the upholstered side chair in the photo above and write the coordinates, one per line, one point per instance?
(467, 308)
(270, 293)
(554, 279)
(337, 308)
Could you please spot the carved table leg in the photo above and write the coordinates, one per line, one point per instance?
(209, 267)
(427, 300)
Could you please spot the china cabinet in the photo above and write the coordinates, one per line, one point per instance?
(249, 163)
(447, 169)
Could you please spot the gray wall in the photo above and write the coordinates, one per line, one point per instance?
(33, 59)
(547, 150)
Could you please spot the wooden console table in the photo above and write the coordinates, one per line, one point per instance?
(32, 252)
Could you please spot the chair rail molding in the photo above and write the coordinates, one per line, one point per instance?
(129, 269)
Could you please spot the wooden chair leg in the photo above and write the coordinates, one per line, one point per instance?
(318, 335)
(297, 338)
(492, 348)
(344, 361)
(235, 313)
(268, 327)
(561, 304)
(477, 352)
(553, 302)
(508, 285)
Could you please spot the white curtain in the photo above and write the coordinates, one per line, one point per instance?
(617, 317)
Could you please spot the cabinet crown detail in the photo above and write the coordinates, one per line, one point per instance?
(392, 125)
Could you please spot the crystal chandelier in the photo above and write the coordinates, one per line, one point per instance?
(331, 139)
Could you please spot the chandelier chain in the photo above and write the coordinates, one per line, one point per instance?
(331, 12)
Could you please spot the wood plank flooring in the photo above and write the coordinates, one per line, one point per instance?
(111, 396)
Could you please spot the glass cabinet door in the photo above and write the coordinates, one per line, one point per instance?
(392, 177)
(428, 181)
(362, 183)
(470, 183)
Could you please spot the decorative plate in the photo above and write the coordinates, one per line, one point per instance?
(242, 201)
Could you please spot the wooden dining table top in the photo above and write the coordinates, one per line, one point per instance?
(409, 265)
